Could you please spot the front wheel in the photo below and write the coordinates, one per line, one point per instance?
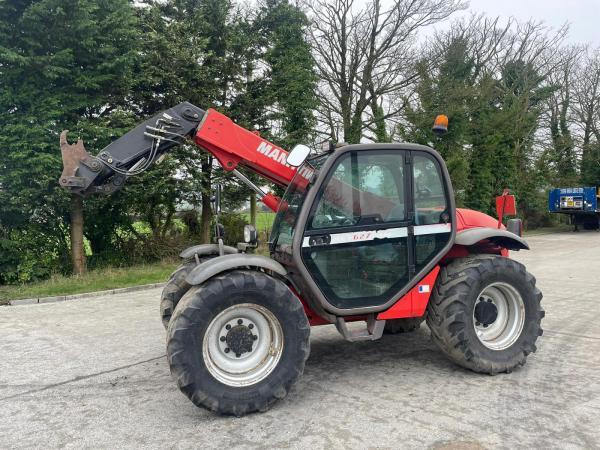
(485, 313)
(238, 342)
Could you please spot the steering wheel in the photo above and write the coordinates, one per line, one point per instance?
(343, 220)
(330, 220)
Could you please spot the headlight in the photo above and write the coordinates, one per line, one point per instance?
(249, 234)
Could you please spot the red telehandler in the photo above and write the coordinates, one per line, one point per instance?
(364, 233)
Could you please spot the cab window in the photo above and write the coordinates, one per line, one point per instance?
(364, 189)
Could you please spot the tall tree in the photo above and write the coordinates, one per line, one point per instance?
(192, 52)
(364, 56)
(65, 64)
(290, 71)
(586, 112)
(445, 90)
(253, 64)
(492, 82)
(560, 125)
(277, 91)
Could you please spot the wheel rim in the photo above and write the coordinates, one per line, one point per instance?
(242, 345)
(499, 316)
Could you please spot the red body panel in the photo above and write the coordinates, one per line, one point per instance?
(313, 318)
(506, 205)
(233, 145)
(413, 304)
(468, 218)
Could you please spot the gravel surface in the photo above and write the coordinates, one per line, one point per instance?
(91, 373)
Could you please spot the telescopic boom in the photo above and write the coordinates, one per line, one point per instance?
(141, 147)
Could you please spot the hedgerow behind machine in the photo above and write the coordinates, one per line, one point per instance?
(364, 233)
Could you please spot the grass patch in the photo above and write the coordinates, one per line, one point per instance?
(96, 280)
(264, 222)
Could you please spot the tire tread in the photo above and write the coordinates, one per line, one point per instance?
(213, 291)
(447, 315)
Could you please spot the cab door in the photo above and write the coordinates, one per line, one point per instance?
(355, 243)
(380, 218)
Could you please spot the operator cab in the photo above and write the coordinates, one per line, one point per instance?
(372, 221)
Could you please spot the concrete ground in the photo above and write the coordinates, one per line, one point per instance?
(92, 373)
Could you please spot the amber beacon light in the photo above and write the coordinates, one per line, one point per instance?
(440, 124)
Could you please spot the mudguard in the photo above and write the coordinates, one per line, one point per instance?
(502, 238)
(215, 266)
(206, 249)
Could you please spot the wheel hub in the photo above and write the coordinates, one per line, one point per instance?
(239, 339)
(499, 316)
(242, 344)
(486, 312)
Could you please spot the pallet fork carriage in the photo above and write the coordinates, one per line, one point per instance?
(364, 233)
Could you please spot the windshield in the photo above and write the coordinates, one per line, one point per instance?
(282, 233)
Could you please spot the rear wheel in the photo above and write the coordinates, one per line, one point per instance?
(238, 342)
(397, 326)
(485, 313)
(175, 288)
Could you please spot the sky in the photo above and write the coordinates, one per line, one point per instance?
(583, 16)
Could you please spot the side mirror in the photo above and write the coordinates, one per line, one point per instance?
(298, 155)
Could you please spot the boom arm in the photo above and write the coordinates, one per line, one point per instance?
(138, 149)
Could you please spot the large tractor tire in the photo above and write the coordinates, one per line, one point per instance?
(485, 313)
(238, 342)
(397, 326)
(175, 288)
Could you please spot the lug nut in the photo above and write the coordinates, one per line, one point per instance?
(477, 324)
(237, 355)
(254, 337)
(228, 327)
(240, 321)
(222, 338)
(485, 325)
(226, 350)
(251, 326)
